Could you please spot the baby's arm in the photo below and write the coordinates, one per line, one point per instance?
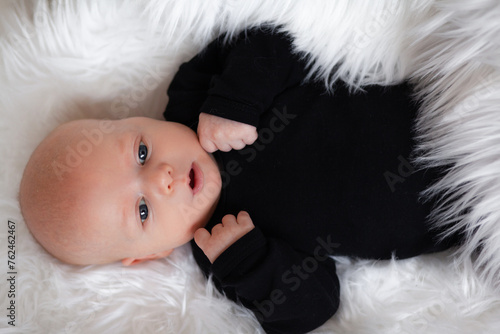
(234, 81)
(217, 133)
(289, 291)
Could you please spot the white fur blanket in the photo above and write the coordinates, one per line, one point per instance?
(62, 60)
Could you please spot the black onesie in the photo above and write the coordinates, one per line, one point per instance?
(330, 174)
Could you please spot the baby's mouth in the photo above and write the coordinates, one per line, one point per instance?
(191, 178)
(195, 178)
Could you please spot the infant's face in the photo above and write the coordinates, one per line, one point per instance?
(148, 186)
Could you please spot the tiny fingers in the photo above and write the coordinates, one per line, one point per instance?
(201, 237)
(251, 137)
(224, 147)
(245, 221)
(217, 228)
(217, 133)
(238, 144)
(207, 144)
(227, 220)
(223, 235)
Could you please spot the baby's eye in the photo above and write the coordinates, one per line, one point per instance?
(142, 154)
(143, 210)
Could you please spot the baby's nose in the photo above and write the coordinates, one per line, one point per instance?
(162, 178)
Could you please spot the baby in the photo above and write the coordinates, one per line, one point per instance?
(279, 176)
(101, 191)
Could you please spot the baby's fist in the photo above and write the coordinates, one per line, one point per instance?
(223, 235)
(217, 133)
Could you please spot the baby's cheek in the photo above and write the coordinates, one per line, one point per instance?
(188, 214)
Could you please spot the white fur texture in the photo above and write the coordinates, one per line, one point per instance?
(62, 60)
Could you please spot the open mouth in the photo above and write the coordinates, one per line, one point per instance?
(195, 178)
(191, 178)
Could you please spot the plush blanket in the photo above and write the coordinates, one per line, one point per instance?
(66, 59)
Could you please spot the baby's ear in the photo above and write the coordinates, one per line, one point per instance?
(131, 260)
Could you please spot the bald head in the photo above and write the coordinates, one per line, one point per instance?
(54, 192)
(96, 192)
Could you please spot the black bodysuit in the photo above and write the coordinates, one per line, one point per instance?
(330, 174)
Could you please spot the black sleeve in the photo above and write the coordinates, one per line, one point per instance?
(289, 291)
(237, 80)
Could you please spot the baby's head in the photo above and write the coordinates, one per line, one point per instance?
(98, 191)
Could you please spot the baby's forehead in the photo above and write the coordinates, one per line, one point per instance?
(66, 133)
(95, 128)
(73, 147)
(85, 135)
(80, 127)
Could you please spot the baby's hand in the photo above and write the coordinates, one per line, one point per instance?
(217, 133)
(223, 235)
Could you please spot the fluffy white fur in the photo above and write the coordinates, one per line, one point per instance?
(62, 60)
